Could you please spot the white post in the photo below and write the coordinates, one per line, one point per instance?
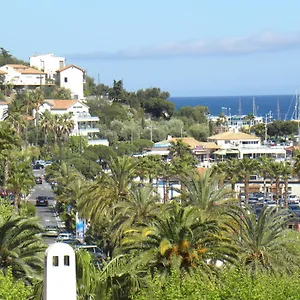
(60, 273)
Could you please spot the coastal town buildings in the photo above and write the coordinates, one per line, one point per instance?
(68, 76)
(72, 78)
(47, 63)
(240, 144)
(21, 76)
(84, 124)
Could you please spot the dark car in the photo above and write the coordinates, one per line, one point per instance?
(37, 166)
(294, 210)
(38, 180)
(42, 201)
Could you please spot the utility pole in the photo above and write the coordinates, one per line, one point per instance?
(266, 129)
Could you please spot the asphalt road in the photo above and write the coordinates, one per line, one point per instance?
(46, 214)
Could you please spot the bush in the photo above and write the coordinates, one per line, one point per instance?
(11, 289)
(30, 209)
(233, 284)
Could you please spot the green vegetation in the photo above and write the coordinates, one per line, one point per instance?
(199, 244)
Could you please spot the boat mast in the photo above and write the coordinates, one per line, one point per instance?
(278, 110)
(240, 107)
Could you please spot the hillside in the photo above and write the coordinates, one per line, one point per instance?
(7, 58)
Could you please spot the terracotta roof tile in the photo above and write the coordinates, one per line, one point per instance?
(69, 66)
(2, 72)
(61, 104)
(229, 135)
(190, 141)
(25, 69)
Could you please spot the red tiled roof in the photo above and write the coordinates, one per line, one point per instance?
(69, 66)
(61, 104)
(25, 69)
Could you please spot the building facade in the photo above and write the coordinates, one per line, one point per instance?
(48, 63)
(21, 76)
(84, 124)
(72, 77)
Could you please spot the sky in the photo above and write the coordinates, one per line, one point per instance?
(189, 48)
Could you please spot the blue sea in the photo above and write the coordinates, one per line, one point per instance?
(281, 106)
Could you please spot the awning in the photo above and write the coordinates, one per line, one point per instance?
(232, 151)
(225, 152)
(220, 152)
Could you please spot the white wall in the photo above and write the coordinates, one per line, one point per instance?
(16, 78)
(60, 273)
(48, 63)
(74, 78)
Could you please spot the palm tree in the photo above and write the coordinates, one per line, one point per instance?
(37, 99)
(179, 238)
(245, 169)
(228, 169)
(8, 142)
(46, 123)
(276, 171)
(20, 179)
(167, 171)
(286, 172)
(21, 247)
(86, 276)
(262, 242)
(203, 191)
(122, 171)
(264, 170)
(138, 209)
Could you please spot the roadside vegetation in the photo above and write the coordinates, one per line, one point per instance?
(201, 244)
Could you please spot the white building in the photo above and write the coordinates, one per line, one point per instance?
(21, 76)
(71, 77)
(240, 144)
(84, 123)
(230, 139)
(48, 63)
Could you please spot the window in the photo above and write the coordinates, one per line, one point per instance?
(66, 79)
(61, 64)
(66, 260)
(55, 261)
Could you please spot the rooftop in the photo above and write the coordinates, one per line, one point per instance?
(61, 104)
(25, 69)
(69, 66)
(230, 135)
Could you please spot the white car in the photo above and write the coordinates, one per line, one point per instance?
(64, 236)
(293, 198)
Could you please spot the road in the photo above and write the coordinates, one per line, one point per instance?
(46, 214)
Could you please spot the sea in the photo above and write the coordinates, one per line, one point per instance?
(278, 107)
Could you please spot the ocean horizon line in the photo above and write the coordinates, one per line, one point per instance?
(225, 96)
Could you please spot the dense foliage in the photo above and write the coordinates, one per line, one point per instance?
(195, 243)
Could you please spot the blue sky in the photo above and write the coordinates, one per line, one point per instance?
(189, 48)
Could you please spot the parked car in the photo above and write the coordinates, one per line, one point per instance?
(41, 201)
(294, 210)
(95, 251)
(64, 236)
(38, 180)
(51, 231)
(72, 242)
(293, 198)
(37, 166)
